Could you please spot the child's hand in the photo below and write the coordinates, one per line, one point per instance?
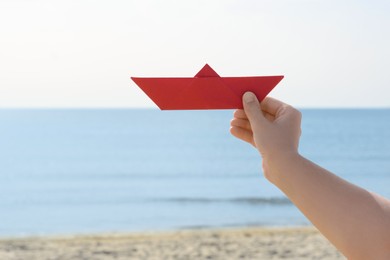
(339, 209)
(272, 127)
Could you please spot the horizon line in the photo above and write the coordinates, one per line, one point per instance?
(156, 108)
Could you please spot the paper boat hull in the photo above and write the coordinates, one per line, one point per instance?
(206, 92)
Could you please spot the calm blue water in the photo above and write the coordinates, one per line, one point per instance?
(80, 171)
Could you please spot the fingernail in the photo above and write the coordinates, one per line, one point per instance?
(249, 97)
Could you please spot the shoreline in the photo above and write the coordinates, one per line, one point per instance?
(222, 243)
(155, 231)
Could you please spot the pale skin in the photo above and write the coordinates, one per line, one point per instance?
(353, 219)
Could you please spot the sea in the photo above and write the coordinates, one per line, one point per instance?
(82, 171)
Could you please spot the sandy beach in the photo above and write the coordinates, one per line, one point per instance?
(243, 243)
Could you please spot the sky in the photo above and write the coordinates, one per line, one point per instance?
(81, 53)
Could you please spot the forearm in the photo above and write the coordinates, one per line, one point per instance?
(356, 221)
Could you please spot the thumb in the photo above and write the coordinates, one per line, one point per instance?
(252, 110)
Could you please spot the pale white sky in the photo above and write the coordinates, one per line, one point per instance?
(81, 53)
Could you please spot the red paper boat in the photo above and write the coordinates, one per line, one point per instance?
(207, 90)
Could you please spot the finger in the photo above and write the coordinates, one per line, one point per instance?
(270, 117)
(243, 123)
(240, 113)
(253, 111)
(242, 134)
(271, 105)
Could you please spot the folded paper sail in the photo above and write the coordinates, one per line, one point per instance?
(207, 90)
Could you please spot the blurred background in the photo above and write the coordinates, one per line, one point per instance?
(82, 149)
(82, 53)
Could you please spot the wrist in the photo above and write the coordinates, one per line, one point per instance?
(276, 166)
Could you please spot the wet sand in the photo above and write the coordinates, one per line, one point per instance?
(243, 243)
